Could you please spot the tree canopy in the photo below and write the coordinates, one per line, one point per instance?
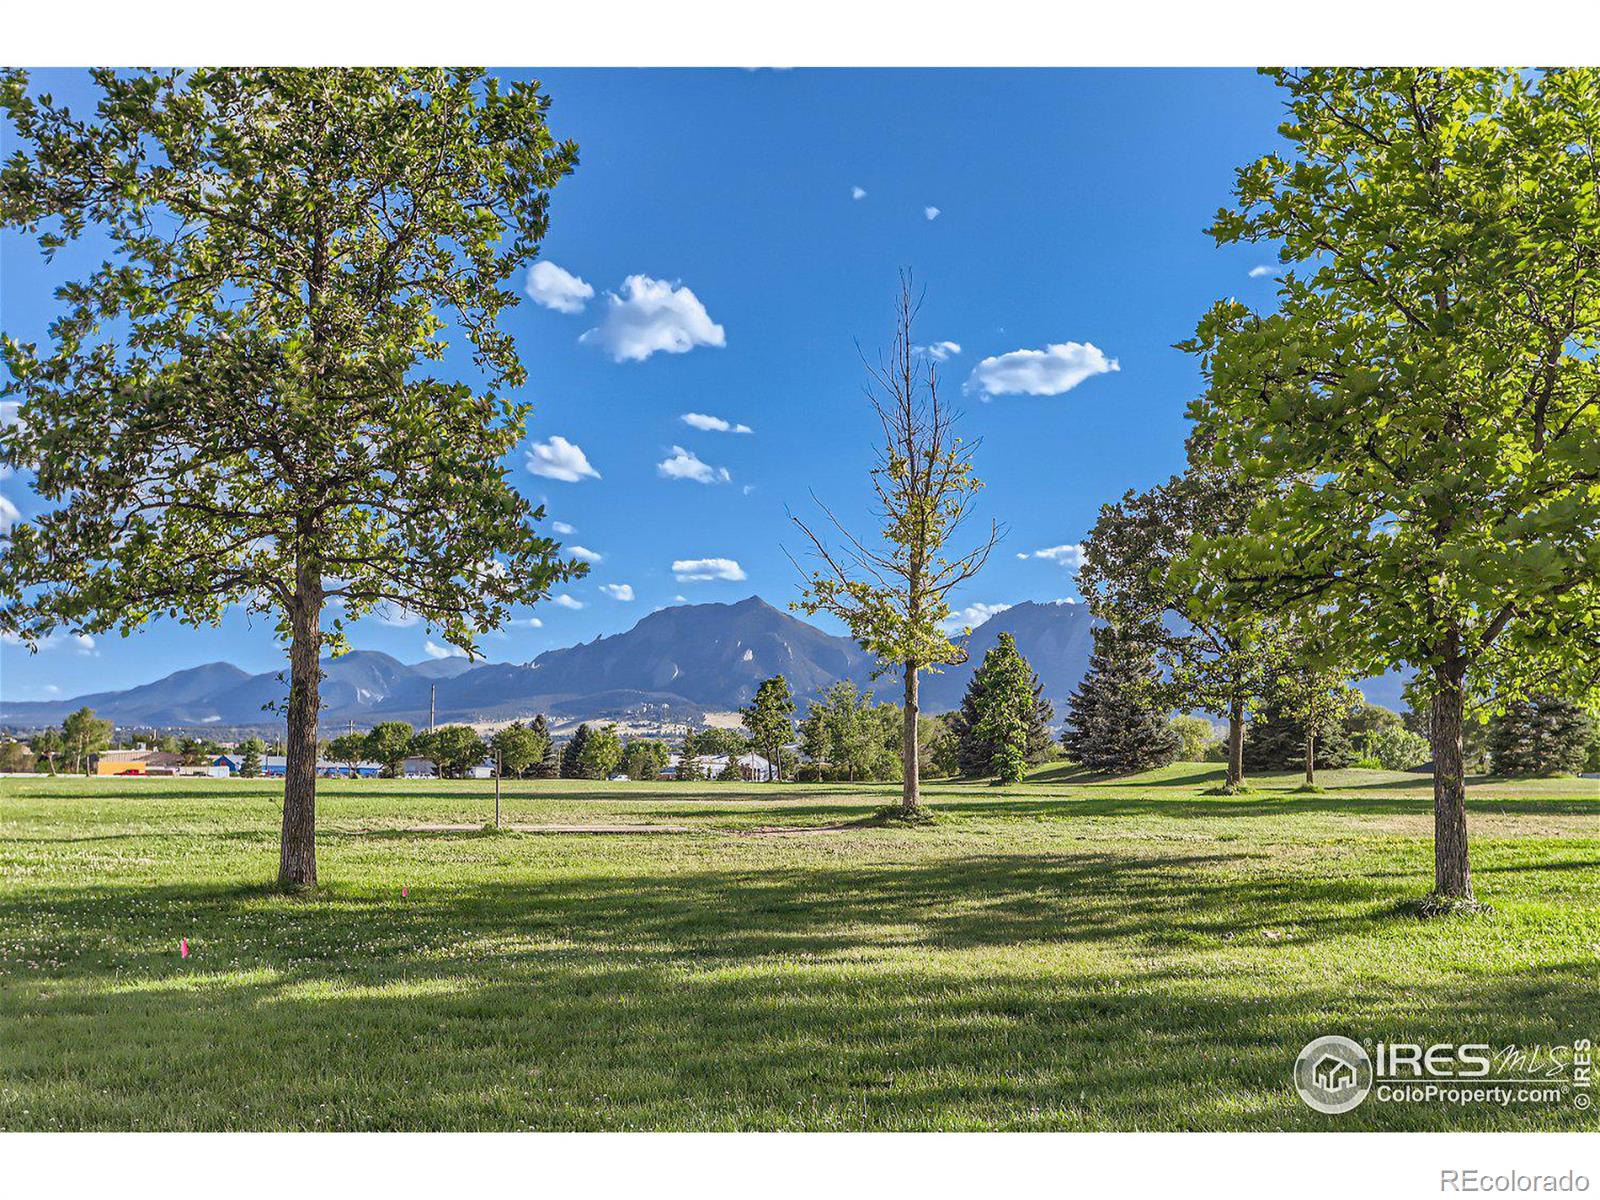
(1422, 408)
(243, 405)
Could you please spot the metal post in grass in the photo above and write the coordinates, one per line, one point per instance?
(497, 788)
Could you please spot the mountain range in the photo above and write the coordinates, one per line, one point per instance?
(675, 664)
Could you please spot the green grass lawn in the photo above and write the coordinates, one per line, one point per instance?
(1069, 953)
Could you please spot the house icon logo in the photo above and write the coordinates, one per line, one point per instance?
(1333, 1074)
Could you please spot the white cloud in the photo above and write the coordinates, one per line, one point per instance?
(437, 651)
(85, 644)
(692, 570)
(10, 412)
(555, 288)
(1057, 368)
(10, 514)
(972, 616)
(940, 351)
(858, 193)
(653, 315)
(565, 601)
(560, 459)
(1258, 272)
(930, 212)
(1069, 556)
(618, 591)
(680, 599)
(710, 424)
(562, 528)
(584, 553)
(684, 464)
(535, 623)
(51, 689)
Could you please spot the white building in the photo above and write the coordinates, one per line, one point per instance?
(752, 767)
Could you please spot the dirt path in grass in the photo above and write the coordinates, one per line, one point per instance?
(547, 829)
(757, 831)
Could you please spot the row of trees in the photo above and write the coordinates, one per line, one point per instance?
(68, 748)
(1397, 465)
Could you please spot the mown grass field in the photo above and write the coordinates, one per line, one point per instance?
(1065, 954)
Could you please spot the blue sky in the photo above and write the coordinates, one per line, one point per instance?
(759, 219)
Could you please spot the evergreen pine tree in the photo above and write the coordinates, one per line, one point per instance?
(1276, 741)
(1003, 694)
(250, 760)
(571, 755)
(1116, 722)
(548, 764)
(687, 767)
(1542, 735)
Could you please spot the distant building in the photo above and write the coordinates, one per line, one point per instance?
(136, 762)
(419, 768)
(276, 766)
(752, 767)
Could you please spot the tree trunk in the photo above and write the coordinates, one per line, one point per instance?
(1236, 743)
(297, 863)
(1452, 873)
(1311, 759)
(910, 792)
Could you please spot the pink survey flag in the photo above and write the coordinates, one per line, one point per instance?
(183, 948)
(404, 891)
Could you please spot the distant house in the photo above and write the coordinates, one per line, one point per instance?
(136, 762)
(419, 768)
(484, 770)
(752, 767)
(276, 766)
(329, 769)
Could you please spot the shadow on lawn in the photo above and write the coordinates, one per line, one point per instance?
(1009, 990)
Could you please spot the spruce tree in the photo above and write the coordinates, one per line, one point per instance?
(1004, 692)
(572, 754)
(1276, 740)
(1542, 735)
(548, 764)
(1117, 719)
(687, 767)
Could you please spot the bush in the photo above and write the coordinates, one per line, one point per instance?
(1196, 735)
(1398, 749)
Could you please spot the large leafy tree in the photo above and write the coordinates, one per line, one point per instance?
(893, 591)
(388, 742)
(243, 405)
(1424, 404)
(1136, 575)
(84, 734)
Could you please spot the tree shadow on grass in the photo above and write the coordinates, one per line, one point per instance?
(885, 997)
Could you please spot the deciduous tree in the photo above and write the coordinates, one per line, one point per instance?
(894, 595)
(388, 742)
(1422, 405)
(242, 406)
